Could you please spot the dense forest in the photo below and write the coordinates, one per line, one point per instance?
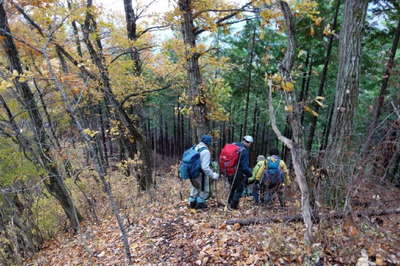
(98, 106)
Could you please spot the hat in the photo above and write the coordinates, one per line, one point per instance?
(249, 139)
(260, 158)
(206, 139)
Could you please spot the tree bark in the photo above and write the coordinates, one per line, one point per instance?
(195, 90)
(379, 102)
(246, 111)
(347, 81)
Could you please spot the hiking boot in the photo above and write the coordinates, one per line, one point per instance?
(201, 205)
(192, 205)
(234, 206)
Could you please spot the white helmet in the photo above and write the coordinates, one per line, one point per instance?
(248, 139)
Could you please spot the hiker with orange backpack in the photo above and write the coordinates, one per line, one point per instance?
(270, 176)
(234, 164)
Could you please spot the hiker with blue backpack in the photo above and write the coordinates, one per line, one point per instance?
(196, 167)
(270, 176)
(234, 164)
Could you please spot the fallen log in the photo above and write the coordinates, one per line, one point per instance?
(316, 218)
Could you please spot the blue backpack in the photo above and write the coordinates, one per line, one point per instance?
(190, 166)
(273, 175)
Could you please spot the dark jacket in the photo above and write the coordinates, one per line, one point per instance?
(244, 160)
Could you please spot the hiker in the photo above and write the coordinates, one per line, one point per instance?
(200, 185)
(270, 176)
(255, 187)
(234, 164)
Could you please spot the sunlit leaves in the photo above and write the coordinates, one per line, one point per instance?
(287, 86)
(90, 133)
(319, 101)
(289, 108)
(310, 110)
(327, 30)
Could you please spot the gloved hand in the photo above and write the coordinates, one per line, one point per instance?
(215, 176)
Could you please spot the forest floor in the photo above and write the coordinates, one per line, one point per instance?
(162, 230)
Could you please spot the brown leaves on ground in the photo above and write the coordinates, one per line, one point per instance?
(163, 230)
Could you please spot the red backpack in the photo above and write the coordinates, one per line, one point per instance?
(228, 159)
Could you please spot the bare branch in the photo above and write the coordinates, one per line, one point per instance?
(150, 29)
(130, 52)
(220, 21)
(143, 9)
(236, 21)
(287, 62)
(237, 10)
(21, 41)
(143, 93)
(278, 133)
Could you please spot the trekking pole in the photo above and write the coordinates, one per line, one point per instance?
(233, 182)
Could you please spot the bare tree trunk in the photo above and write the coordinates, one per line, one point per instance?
(347, 80)
(195, 91)
(324, 73)
(131, 27)
(379, 102)
(246, 111)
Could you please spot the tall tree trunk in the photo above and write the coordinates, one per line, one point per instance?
(195, 90)
(145, 178)
(131, 28)
(55, 183)
(379, 102)
(250, 67)
(324, 73)
(347, 80)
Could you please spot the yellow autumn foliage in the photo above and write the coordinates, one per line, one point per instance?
(289, 108)
(287, 86)
(310, 110)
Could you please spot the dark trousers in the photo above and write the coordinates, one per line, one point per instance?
(237, 187)
(264, 193)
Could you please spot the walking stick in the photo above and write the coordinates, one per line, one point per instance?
(233, 182)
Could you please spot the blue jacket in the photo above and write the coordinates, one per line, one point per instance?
(244, 160)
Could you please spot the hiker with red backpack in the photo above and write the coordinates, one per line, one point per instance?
(234, 164)
(270, 176)
(196, 167)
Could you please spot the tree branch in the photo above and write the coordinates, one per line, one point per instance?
(129, 52)
(219, 21)
(21, 41)
(143, 93)
(150, 29)
(287, 62)
(278, 133)
(237, 10)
